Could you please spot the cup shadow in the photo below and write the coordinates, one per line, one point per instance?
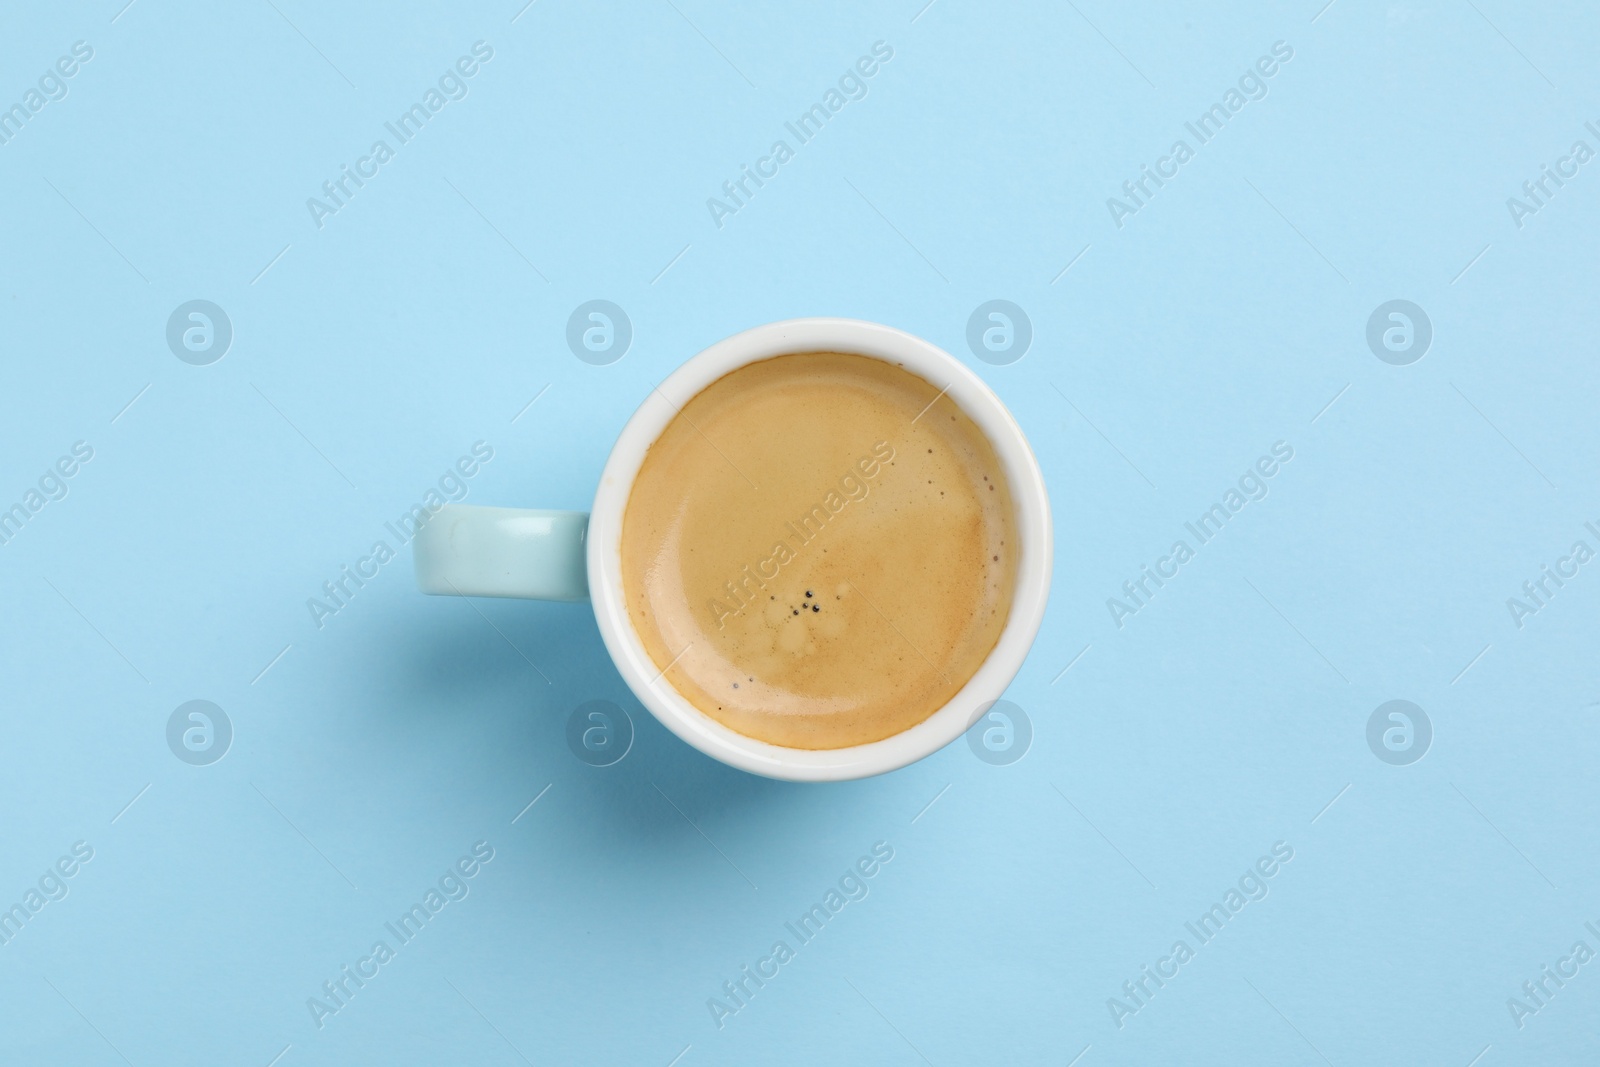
(477, 658)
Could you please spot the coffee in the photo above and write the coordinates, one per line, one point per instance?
(820, 550)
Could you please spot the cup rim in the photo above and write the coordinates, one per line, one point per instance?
(1029, 496)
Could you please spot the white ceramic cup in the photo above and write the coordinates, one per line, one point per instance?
(563, 555)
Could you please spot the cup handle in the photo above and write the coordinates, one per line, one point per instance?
(467, 550)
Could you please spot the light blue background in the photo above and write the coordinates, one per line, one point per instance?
(1224, 717)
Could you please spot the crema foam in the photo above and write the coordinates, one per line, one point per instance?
(820, 550)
